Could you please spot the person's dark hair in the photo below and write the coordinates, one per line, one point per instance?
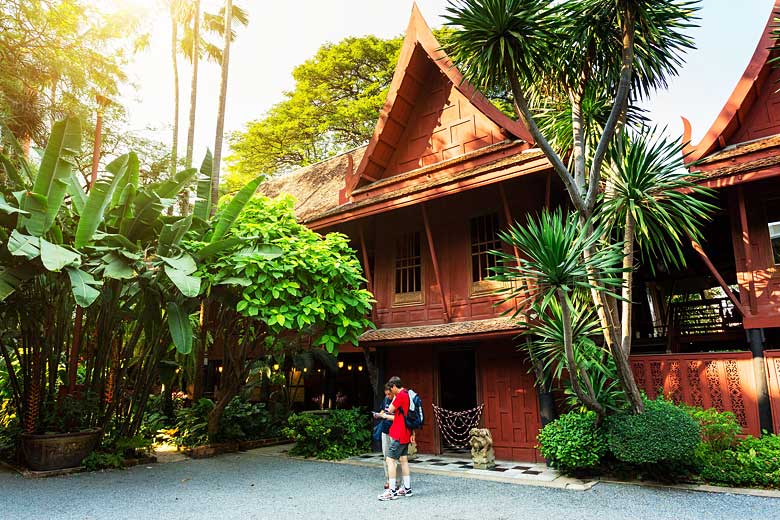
(395, 381)
(388, 386)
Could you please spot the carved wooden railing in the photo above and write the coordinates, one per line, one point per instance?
(698, 317)
(773, 375)
(721, 380)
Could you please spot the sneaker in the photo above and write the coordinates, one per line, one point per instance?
(389, 494)
(404, 492)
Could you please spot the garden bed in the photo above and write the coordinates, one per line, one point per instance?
(28, 473)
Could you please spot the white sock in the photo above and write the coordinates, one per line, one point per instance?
(407, 481)
(392, 483)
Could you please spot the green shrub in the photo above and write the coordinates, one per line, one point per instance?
(753, 462)
(663, 435)
(243, 420)
(99, 460)
(573, 442)
(9, 430)
(335, 435)
(719, 430)
(192, 424)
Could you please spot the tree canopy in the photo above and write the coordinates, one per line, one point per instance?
(333, 107)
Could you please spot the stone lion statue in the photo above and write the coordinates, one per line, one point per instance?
(482, 454)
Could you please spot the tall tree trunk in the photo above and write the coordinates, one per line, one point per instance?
(175, 63)
(194, 82)
(626, 318)
(221, 111)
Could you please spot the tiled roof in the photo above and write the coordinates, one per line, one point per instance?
(315, 187)
(742, 149)
(458, 328)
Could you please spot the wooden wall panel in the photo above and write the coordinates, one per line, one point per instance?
(725, 381)
(418, 370)
(449, 220)
(763, 118)
(763, 303)
(511, 405)
(773, 375)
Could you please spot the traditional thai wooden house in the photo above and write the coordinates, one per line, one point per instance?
(445, 170)
(729, 297)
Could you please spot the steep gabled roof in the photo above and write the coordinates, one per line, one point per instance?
(750, 96)
(431, 114)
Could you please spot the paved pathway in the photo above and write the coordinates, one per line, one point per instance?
(251, 485)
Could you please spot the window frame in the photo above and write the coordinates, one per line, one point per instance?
(401, 299)
(483, 287)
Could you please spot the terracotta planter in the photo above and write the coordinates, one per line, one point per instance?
(58, 450)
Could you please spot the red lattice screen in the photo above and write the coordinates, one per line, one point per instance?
(773, 374)
(724, 381)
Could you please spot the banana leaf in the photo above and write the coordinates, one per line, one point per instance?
(130, 178)
(76, 193)
(203, 202)
(83, 286)
(188, 285)
(147, 207)
(7, 208)
(55, 257)
(180, 328)
(172, 234)
(54, 174)
(99, 197)
(116, 267)
(24, 245)
(171, 187)
(229, 215)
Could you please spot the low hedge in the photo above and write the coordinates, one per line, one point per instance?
(753, 462)
(333, 435)
(663, 434)
(573, 442)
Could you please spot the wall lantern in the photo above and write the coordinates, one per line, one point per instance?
(305, 369)
(219, 369)
(360, 368)
(276, 366)
(341, 364)
(349, 367)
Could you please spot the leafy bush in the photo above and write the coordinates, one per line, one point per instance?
(664, 434)
(336, 435)
(719, 430)
(752, 462)
(99, 460)
(573, 442)
(9, 430)
(192, 424)
(243, 420)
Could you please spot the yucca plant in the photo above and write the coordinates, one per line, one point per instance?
(551, 270)
(599, 57)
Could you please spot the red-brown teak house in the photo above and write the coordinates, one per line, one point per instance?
(423, 202)
(729, 297)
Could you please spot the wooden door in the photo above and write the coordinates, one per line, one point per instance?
(511, 405)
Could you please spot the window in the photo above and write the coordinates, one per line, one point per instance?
(773, 218)
(408, 269)
(484, 238)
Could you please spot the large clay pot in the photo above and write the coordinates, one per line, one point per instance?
(58, 450)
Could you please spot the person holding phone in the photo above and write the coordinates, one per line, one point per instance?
(400, 437)
(383, 427)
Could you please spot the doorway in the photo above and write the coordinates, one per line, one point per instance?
(457, 386)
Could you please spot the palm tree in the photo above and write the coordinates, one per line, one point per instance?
(195, 52)
(575, 52)
(175, 9)
(221, 110)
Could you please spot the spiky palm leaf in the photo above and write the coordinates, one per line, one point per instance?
(649, 182)
(551, 250)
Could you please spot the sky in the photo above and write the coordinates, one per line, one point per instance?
(284, 33)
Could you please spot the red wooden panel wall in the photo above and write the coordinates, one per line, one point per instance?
(724, 381)
(773, 374)
(417, 370)
(511, 406)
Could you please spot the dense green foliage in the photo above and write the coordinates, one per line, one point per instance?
(752, 462)
(719, 430)
(241, 421)
(573, 442)
(334, 435)
(662, 434)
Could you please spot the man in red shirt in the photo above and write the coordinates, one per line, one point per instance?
(400, 437)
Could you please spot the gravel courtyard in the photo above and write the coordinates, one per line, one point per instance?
(250, 485)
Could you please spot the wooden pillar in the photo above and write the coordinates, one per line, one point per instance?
(756, 341)
(434, 259)
(745, 231)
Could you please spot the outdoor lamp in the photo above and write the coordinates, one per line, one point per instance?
(305, 369)
(219, 369)
(349, 367)
(276, 366)
(360, 368)
(341, 364)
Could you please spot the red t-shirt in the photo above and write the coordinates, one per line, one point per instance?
(399, 431)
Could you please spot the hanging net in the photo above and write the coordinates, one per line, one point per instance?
(455, 426)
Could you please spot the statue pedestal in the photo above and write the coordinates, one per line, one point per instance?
(486, 465)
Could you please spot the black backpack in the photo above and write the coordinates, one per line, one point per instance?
(414, 419)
